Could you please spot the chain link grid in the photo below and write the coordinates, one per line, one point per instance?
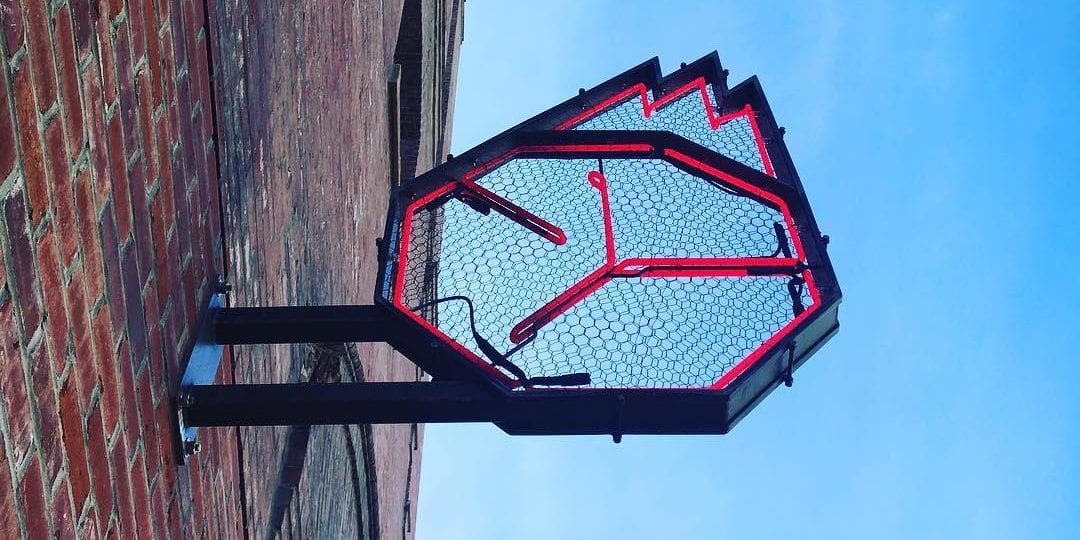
(660, 332)
(643, 332)
(685, 116)
(659, 210)
(422, 263)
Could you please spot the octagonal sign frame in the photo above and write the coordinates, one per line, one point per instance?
(712, 409)
(563, 132)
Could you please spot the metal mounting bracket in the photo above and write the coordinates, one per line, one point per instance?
(201, 369)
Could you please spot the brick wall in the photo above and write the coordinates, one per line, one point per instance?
(110, 221)
(110, 228)
(305, 180)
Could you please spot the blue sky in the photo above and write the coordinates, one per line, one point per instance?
(938, 145)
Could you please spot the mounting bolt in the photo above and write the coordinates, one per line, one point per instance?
(617, 433)
(825, 239)
(580, 91)
(192, 447)
(222, 286)
(185, 400)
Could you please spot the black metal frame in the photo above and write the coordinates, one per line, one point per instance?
(460, 390)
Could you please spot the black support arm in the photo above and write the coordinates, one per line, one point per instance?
(300, 324)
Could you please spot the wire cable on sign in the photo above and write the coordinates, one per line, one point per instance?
(500, 360)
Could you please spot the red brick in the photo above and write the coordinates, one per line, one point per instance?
(168, 76)
(87, 223)
(109, 402)
(198, 20)
(8, 151)
(30, 142)
(136, 318)
(140, 497)
(41, 54)
(3, 275)
(158, 508)
(202, 123)
(153, 52)
(161, 255)
(162, 10)
(174, 520)
(190, 291)
(32, 497)
(13, 25)
(49, 442)
(143, 245)
(84, 26)
(197, 503)
(13, 387)
(85, 364)
(9, 520)
(62, 514)
(127, 395)
(122, 485)
(139, 29)
(62, 196)
(199, 157)
(210, 505)
(74, 443)
(211, 243)
(107, 57)
(184, 217)
(118, 170)
(146, 123)
(22, 268)
(110, 252)
(188, 139)
(171, 333)
(98, 459)
(188, 27)
(164, 167)
(164, 415)
(201, 83)
(96, 130)
(90, 529)
(148, 428)
(68, 68)
(179, 32)
(213, 202)
(49, 274)
(225, 372)
(125, 78)
(155, 344)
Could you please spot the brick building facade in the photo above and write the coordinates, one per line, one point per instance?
(147, 147)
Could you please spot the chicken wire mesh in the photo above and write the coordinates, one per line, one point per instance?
(689, 112)
(633, 271)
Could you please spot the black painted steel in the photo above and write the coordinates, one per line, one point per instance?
(538, 412)
(301, 324)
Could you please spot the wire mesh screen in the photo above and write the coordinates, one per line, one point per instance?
(632, 271)
(423, 262)
(689, 112)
